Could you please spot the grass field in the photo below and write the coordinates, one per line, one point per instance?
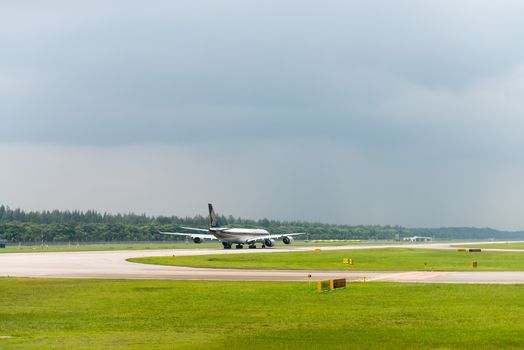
(364, 259)
(140, 246)
(38, 248)
(516, 245)
(96, 314)
(103, 247)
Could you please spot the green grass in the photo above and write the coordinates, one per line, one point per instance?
(13, 248)
(104, 247)
(511, 245)
(97, 314)
(364, 259)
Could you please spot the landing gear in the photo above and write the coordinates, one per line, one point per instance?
(239, 246)
(252, 246)
(226, 245)
(263, 245)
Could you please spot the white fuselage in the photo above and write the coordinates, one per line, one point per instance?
(237, 235)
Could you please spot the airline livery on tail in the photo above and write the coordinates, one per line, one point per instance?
(230, 236)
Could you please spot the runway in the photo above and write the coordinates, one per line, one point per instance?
(113, 265)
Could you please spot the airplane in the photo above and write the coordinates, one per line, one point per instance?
(230, 236)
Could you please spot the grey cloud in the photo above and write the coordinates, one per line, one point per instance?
(293, 180)
(177, 72)
(352, 106)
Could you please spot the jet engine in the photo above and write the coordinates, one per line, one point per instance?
(287, 239)
(269, 242)
(197, 239)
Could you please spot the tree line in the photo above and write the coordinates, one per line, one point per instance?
(17, 225)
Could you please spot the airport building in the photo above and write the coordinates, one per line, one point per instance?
(417, 239)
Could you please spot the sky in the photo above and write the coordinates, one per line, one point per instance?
(346, 112)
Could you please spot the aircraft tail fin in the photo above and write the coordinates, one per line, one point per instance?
(213, 218)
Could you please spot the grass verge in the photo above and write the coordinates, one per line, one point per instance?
(102, 247)
(144, 246)
(391, 259)
(96, 314)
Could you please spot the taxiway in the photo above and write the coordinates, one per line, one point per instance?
(113, 265)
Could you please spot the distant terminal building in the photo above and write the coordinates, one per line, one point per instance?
(417, 239)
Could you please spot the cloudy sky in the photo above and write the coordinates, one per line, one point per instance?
(359, 112)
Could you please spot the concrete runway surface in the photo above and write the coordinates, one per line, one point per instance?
(113, 265)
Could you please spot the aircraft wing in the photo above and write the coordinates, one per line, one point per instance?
(262, 238)
(284, 235)
(192, 235)
(195, 229)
